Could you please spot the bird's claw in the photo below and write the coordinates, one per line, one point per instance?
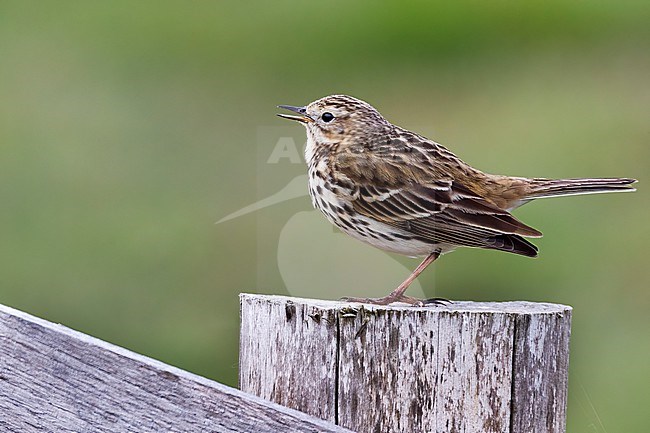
(387, 300)
(436, 301)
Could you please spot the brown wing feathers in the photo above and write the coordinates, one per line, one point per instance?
(450, 214)
(443, 210)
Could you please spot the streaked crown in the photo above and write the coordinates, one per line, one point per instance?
(340, 118)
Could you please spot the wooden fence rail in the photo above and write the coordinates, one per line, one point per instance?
(467, 367)
(54, 379)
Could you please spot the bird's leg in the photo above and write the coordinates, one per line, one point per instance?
(397, 295)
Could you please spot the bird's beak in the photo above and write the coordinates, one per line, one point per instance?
(303, 118)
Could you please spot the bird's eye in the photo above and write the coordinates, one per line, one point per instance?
(327, 117)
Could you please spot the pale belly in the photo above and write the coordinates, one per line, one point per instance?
(339, 212)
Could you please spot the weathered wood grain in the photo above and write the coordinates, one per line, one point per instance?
(466, 367)
(299, 342)
(539, 403)
(53, 379)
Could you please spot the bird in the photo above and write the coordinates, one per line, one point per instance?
(404, 193)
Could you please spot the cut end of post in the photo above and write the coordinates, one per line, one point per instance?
(508, 307)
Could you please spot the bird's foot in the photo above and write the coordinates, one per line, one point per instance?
(436, 301)
(390, 299)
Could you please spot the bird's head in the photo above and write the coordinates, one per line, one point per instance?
(339, 119)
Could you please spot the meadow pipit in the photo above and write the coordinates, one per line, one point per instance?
(404, 193)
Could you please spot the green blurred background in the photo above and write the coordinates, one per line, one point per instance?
(128, 128)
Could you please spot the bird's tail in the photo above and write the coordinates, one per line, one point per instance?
(542, 188)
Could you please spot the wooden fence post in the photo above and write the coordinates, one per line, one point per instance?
(466, 367)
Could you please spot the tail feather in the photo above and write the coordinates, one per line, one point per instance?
(512, 244)
(542, 188)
